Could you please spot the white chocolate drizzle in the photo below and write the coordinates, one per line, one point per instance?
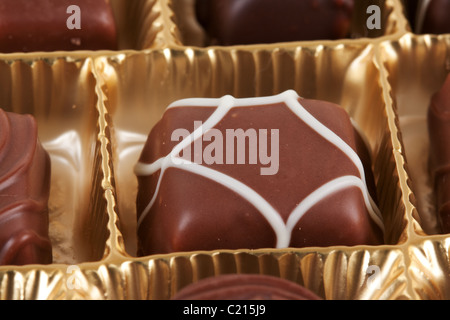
(283, 231)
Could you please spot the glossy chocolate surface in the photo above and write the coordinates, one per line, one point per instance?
(234, 22)
(410, 7)
(433, 17)
(196, 211)
(42, 25)
(439, 130)
(245, 287)
(24, 192)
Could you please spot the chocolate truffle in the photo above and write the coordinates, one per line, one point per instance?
(24, 192)
(236, 22)
(439, 131)
(267, 172)
(53, 25)
(245, 287)
(433, 17)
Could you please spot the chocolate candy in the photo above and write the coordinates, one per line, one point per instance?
(433, 17)
(268, 172)
(439, 130)
(24, 192)
(52, 25)
(233, 22)
(245, 287)
(410, 7)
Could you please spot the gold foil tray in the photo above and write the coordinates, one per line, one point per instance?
(417, 67)
(95, 109)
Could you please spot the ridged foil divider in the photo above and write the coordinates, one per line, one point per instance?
(417, 66)
(68, 120)
(320, 265)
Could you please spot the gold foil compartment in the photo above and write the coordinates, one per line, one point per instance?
(418, 66)
(139, 86)
(61, 94)
(32, 283)
(430, 269)
(143, 24)
(138, 99)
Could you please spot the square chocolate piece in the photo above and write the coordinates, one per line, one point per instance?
(267, 172)
(56, 25)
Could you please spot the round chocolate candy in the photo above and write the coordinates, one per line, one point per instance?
(235, 22)
(245, 287)
(433, 17)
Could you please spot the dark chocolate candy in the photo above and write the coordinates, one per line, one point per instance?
(234, 22)
(439, 130)
(52, 25)
(24, 192)
(299, 183)
(245, 287)
(410, 10)
(433, 17)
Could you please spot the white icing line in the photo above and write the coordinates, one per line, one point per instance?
(327, 189)
(241, 102)
(295, 106)
(255, 199)
(224, 104)
(144, 169)
(141, 169)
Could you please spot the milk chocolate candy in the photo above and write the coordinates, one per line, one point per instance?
(267, 172)
(24, 192)
(433, 17)
(235, 22)
(53, 25)
(439, 130)
(245, 287)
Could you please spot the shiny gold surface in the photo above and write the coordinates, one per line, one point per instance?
(417, 67)
(95, 109)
